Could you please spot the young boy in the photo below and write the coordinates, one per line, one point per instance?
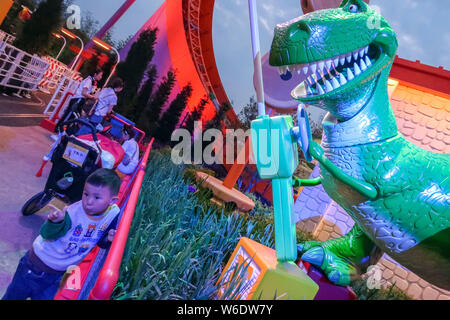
(67, 237)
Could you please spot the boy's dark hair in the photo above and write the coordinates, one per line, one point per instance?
(105, 178)
(116, 83)
(128, 129)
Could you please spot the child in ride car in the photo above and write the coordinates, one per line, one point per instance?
(131, 148)
(67, 237)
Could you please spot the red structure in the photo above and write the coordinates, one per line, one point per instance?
(184, 44)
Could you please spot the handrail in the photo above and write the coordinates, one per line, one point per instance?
(109, 274)
(20, 69)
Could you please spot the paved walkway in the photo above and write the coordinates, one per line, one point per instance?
(21, 152)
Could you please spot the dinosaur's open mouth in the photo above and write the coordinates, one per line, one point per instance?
(323, 77)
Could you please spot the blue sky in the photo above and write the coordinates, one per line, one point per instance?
(421, 26)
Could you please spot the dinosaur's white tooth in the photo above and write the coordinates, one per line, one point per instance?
(305, 69)
(342, 60)
(342, 79)
(281, 70)
(350, 75)
(355, 55)
(309, 91)
(289, 68)
(368, 63)
(361, 53)
(319, 87)
(321, 65)
(313, 68)
(357, 69)
(328, 86)
(349, 58)
(328, 63)
(335, 83)
(366, 49)
(336, 62)
(363, 65)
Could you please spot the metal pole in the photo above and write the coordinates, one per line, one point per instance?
(60, 51)
(79, 54)
(114, 67)
(257, 57)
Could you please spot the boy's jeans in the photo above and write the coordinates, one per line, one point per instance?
(29, 283)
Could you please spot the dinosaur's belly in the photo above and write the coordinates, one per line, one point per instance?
(414, 195)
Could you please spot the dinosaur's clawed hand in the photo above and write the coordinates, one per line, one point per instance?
(338, 269)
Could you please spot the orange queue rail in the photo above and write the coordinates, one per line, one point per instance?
(109, 274)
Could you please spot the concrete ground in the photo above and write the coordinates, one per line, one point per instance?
(22, 145)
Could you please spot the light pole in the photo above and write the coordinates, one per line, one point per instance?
(107, 47)
(73, 36)
(57, 35)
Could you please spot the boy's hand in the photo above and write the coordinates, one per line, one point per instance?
(111, 235)
(56, 215)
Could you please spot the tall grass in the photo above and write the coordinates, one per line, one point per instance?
(177, 247)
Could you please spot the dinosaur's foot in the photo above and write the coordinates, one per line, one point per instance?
(338, 269)
(343, 259)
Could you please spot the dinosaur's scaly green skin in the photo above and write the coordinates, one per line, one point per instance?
(408, 215)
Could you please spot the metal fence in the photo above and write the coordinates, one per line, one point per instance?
(19, 69)
(6, 37)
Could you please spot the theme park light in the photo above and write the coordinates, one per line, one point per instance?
(57, 35)
(73, 36)
(107, 47)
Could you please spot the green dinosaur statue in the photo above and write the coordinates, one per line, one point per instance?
(397, 193)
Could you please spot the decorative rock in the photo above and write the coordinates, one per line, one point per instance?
(438, 145)
(412, 277)
(430, 112)
(387, 274)
(388, 264)
(423, 283)
(430, 294)
(414, 291)
(323, 236)
(400, 283)
(420, 133)
(432, 124)
(402, 273)
(334, 235)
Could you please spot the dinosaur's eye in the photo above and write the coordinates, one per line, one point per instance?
(353, 8)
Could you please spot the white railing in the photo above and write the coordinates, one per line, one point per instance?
(6, 37)
(19, 69)
(66, 87)
(56, 71)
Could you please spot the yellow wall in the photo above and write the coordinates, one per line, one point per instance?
(5, 5)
